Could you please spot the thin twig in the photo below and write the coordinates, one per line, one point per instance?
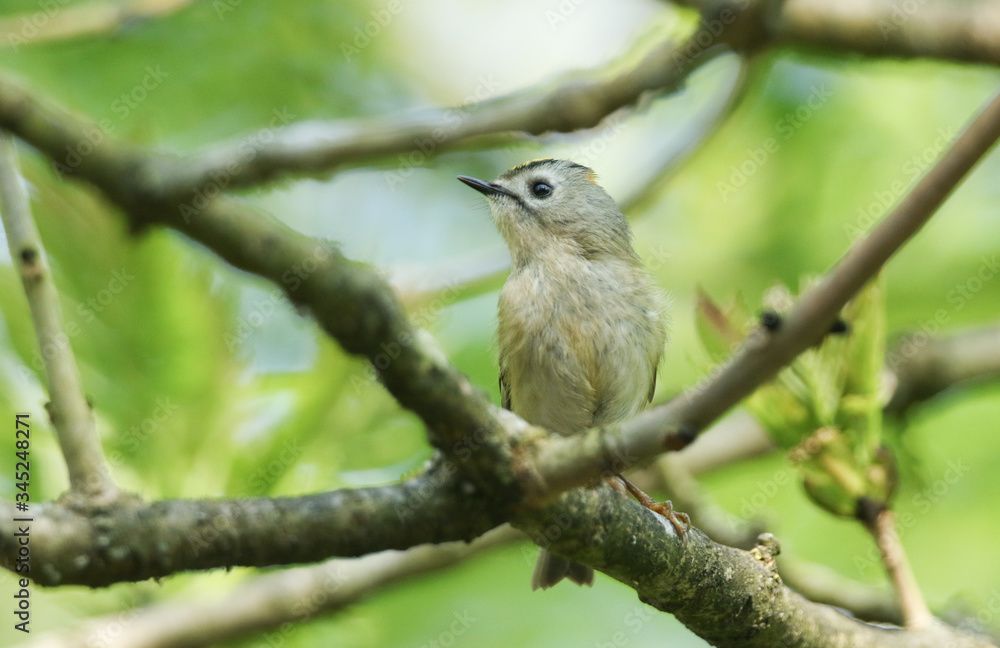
(924, 366)
(69, 410)
(916, 615)
(578, 102)
(735, 437)
(821, 584)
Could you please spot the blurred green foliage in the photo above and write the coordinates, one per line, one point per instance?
(206, 383)
(825, 408)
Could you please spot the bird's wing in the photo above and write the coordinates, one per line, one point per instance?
(652, 383)
(504, 390)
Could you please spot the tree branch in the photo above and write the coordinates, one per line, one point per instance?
(916, 615)
(925, 366)
(582, 100)
(130, 540)
(68, 409)
(937, 29)
(579, 101)
(927, 29)
(356, 308)
(283, 599)
(821, 584)
(727, 596)
(66, 22)
(500, 457)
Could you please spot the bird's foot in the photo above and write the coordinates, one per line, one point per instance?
(680, 521)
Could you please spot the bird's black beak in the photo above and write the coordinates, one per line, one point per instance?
(486, 188)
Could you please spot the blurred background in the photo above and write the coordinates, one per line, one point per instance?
(205, 382)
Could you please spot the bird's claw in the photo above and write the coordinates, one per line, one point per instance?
(680, 521)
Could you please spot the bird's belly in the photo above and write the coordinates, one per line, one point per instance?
(567, 382)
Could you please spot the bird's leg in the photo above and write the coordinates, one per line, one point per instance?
(680, 521)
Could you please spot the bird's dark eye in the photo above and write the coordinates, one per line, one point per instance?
(541, 189)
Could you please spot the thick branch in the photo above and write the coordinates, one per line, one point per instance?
(68, 409)
(727, 596)
(130, 540)
(935, 29)
(349, 301)
(281, 599)
(966, 31)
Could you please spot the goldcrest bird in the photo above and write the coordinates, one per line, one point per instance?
(580, 322)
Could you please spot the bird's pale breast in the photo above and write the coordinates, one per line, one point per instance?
(579, 343)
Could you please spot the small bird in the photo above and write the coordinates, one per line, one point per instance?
(580, 322)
